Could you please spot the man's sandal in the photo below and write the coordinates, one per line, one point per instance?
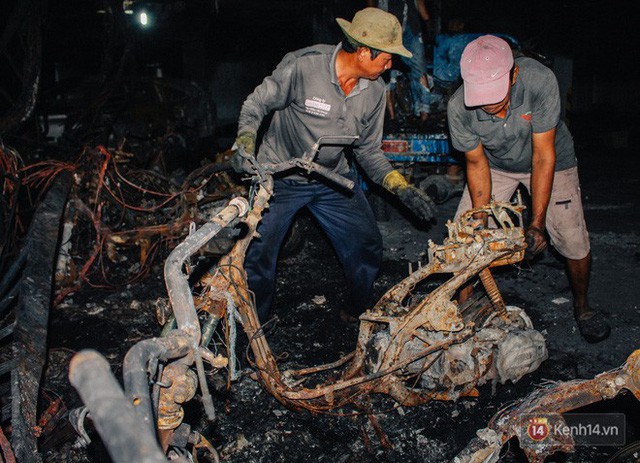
(593, 326)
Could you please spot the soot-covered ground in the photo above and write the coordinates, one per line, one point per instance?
(251, 426)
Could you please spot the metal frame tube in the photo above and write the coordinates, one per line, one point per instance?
(113, 415)
(138, 363)
(178, 283)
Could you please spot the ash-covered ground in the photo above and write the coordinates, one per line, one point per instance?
(251, 426)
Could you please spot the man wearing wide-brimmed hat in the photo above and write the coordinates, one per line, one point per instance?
(318, 91)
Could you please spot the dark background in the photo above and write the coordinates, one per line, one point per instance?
(227, 46)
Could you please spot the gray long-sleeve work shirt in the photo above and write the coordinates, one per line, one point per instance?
(308, 103)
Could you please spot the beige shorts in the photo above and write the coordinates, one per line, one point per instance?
(565, 217)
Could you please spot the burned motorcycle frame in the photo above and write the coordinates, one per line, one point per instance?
(413, 349)
(549, 402)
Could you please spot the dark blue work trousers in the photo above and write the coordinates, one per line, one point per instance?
(345, 217)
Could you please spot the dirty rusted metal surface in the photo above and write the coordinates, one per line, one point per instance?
(125, 436)
(413, 349)
(553, 399)
(179, 385)
(172, 364)
(404, 348)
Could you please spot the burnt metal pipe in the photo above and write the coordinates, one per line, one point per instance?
(177, 281)
(141, 364)
(114, 417)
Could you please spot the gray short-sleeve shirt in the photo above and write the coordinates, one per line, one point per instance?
(534, 108)
(308, 102)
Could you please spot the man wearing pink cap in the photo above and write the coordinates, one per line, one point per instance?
(506, 119)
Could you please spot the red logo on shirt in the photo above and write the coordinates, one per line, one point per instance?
(526, 116)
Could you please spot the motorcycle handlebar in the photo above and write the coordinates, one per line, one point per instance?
(306, 163)
(310, 166)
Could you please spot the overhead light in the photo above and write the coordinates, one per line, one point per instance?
(143, 18)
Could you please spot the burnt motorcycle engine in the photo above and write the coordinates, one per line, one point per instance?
(501, 349)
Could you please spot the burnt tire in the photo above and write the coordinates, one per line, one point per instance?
(627, 454)
(439, 189)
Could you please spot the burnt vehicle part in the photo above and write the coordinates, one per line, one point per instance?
(26, 289)
(401, 339)
(627, 454)
(412, 350)
(550, 401)
(117, 213)
(158, 374)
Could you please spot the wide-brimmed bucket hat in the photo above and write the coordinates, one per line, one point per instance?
(375, 28)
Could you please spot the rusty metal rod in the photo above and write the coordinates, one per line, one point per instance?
(307, 394)
(115, 419)
(141, 361)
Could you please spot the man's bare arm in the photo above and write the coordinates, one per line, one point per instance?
(478, 176)
(422, 10)
(543, 165)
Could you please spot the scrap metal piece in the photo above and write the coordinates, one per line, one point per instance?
(179, 386)
(164, 361)
(126, 436)
(550, 401)
(450, 348)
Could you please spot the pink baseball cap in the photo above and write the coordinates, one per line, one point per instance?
(485, 65)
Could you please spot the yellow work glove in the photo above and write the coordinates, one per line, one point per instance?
(416, 200)
(245, 147)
